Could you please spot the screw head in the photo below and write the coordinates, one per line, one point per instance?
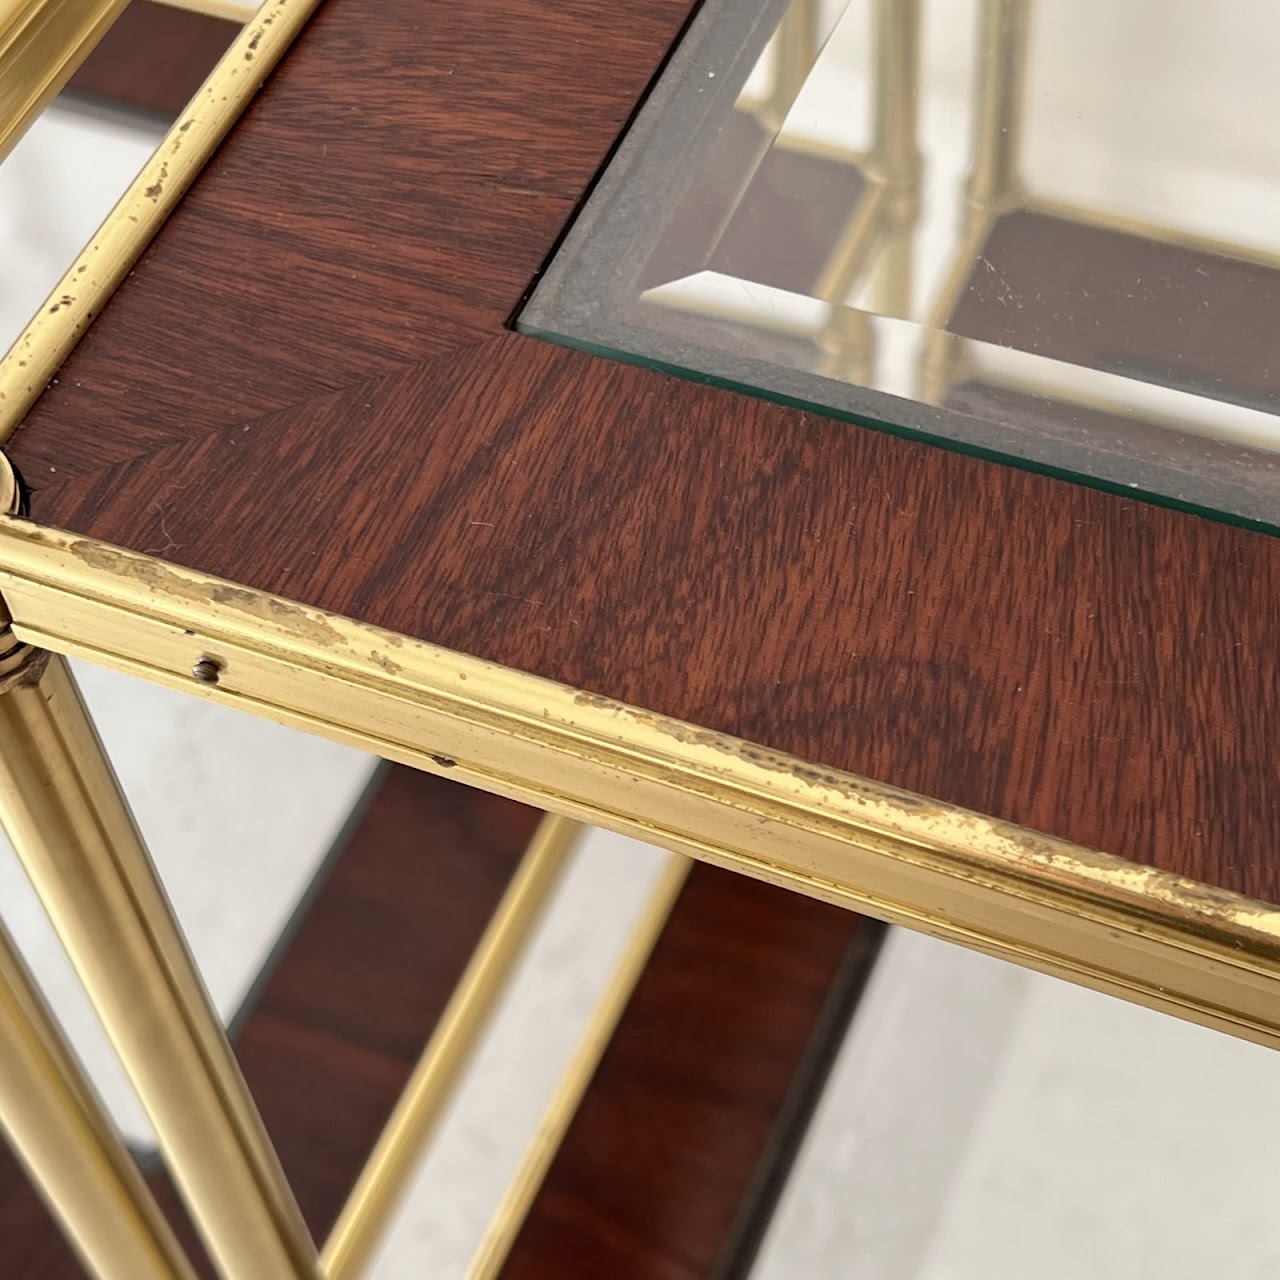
(207, 671)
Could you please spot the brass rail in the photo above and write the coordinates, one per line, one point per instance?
(42, 42)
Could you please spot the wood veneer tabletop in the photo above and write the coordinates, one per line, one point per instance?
(309, 386)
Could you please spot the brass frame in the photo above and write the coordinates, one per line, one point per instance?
(57, 1125)
(356, 1235)
(1153, 937)
(62, 809)
(42, 42)
(559, 1112)
(30, 364)
(354, 1241)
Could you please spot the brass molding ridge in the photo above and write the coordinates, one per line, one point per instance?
(83, 291)
(42, 43)
(1172, 943)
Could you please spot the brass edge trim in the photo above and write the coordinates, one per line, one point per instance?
(504, 1226)
(355, 1238)
(80, 295)
(1150, 935)
(42, 43)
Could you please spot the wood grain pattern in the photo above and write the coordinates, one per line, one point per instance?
(307, 386)
(153, 59)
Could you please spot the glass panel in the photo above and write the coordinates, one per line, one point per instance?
(1044, 230)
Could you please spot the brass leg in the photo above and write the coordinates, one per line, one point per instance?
(62, 808)
(58, 1129)
(504, 1226)
(896, 151)
(360, 1227)
(1002, 56)
(42, 42)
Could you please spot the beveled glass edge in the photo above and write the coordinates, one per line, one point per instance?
(588, 287)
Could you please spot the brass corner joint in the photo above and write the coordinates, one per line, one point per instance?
(21, 664)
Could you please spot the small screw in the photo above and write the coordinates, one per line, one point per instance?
(207, 670)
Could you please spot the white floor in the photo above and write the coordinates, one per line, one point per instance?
(985, 1123)
(981, 1123)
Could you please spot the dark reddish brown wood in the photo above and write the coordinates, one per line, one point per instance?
(153, 59)
(308, 384)
(684, 1109)
(33, 1249)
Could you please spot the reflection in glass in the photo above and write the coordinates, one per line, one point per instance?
(1043, 229)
